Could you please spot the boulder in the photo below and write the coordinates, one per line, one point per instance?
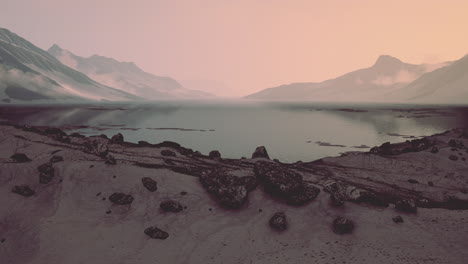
(56, 158)
(398, 219)
(408, 206)
(277, 180)
(371, 198)
(342, 225)
(307, 193)
(168, 153)
(46, 173)
(150, 184)
(117, 139)
(260, 152)
(214, 154)
(110, 160)
(171, 206)
(455, 143)
(121, 198)
(279, 221)
(435, 149)
(23, 190)
(337, 199)
(249, 182)
(156, 233)
(97, 146)
(20, 158)
(453, 157)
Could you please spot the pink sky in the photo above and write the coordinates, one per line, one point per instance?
(248, 45)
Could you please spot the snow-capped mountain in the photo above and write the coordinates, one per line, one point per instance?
(387, 75)
(30, 73)
(125, 76)
(445, 85)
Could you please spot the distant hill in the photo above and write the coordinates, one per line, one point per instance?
(125, 76)
(387, 75)
(28, 73)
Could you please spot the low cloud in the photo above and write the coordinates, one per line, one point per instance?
(402, 76)
(28, 80)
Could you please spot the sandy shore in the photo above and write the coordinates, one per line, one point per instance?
(69, 218)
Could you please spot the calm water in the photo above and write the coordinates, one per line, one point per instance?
(288, 130)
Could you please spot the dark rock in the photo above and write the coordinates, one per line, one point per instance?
(108, 212)
(260, 152)
(337, 199)
(398, 219)
(456, 144)
(414, 145)
(183, 193)
(97, 147)
(231, 191)
(144, 143)
(77, 135)
(54, 131)
(412, 181)
(171, 206)
(305, 194)
(168, 144)
(117, 139)
(150, 184)
(214, 154)
(406, 206)
(249, 182)
(23, 190)
(434, 149)
(430, 183)
(110, 160)
(453, 157)
(46, 173)
(277, 180)
(168, 153)
(372, 198)
(121, 198)
(56, 159)
(279, 221)
(156, 233)
(342, 225)
(20, 158)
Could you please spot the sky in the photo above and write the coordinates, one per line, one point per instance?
(235, 48)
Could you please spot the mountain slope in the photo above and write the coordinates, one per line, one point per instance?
(388, 74)
(28, 68)
(445, 85)
(125, 76)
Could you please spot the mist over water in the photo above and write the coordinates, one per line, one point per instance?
(290, 131)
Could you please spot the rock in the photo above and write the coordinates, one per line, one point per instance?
(121, 198)
(277, 180)
(406, 206)
(414, 145)
(231, 191)
(398, 219)
(435, 149)
(279, 221)
(23, 190)
(456, 144)
(20, 158)
(430, 183)
(214, 154)
(342, 225)
(249, 182)
(110, 160)
(171, 206)
(371, 198)
(413, 181)
(307, 193)
(156, 233)
(260, 152)
(143, 143)
(150, 184)
(168, 153)
(453, 157)
(56, 159)
(98, 146)
(168, 144)
(54, 131)
(337, 191)
(77, 135)
(117, 139)
(337, 199)
(46, 173)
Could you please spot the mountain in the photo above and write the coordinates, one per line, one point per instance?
(29, 73)
(125, 76)
(444, 85)
(387, 75)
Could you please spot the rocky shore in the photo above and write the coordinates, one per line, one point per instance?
(69, 198)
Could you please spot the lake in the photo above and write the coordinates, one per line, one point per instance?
(290, 131)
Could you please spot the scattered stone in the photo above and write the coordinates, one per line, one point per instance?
(168, 153)
(20, 158)
(171, 206)
(398, 219)
(406, 206)
(156, 233)
(279, 221)
(456, 144)
(307, 193)
(108, 212)
(371, 198)
(150, 184)
(435, 149)
(430, 183)
(46, 173)
(342, 225)
(99, 193)
(56, 159)
(453, 157)
(121, 198)
(214, 154)
(117, 139)
(23, 190)
(412, 181)
(183, 193)
(110, 160)
(260, 152)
